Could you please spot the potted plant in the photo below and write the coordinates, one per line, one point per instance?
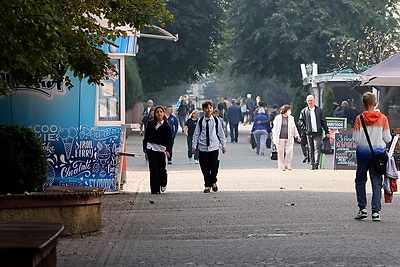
(22, 196)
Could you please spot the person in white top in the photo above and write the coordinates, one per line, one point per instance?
(208, 137)
(283, 135)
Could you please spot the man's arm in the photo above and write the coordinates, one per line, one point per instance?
(302, 121)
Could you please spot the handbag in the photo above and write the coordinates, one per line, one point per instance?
(274, 153)
(268, 142)
(253, 141)
(326, 146)
(380, 159)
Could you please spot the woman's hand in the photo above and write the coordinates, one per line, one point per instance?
(167, 153)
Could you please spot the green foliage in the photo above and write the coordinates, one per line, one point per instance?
(48, 37)
(299, 101)
(200, 27)
(328, 100)
(133, 84)
(273, 37)
(23, 160)
(270, 90)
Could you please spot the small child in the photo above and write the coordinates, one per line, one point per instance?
(207, 138)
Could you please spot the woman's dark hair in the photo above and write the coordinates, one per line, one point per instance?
(284, 108)
(153, 122)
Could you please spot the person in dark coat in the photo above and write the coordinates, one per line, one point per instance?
(344, 111)
(235, 115)
(251, 106)
(157, 144)
(312, 120)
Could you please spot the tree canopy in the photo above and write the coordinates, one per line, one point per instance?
(200, 26)
(272, 37)
(49, 37)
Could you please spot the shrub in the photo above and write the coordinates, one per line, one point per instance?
(23, 160)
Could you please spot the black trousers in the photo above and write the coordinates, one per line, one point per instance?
(209, 165)
(158, 170)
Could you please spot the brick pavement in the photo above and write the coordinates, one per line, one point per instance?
(260, 216)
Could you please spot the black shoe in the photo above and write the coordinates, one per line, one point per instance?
(306, 159)
(312, 167)
(316, 166)
(214, 187)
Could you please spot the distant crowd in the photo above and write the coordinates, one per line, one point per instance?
(207, 133)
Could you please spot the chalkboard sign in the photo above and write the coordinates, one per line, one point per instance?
(345, 151)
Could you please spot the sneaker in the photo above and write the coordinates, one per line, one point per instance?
(190, 160)
(376, 217)
(196, 161)
(163, 188)
(214, 187)
(207, 190)
(169, 162)
(362, 214)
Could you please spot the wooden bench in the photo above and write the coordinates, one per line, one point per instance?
(28, 243)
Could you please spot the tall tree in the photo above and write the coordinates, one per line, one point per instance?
(133, 84)
(272, 37)
(43, 37)
(200, 28)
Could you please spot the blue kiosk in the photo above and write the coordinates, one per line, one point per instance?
(82, 129)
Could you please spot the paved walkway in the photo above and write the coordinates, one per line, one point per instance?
(261, 216)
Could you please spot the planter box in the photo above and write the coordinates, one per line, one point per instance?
(77, 208)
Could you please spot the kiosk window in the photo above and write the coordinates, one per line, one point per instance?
(109, 94)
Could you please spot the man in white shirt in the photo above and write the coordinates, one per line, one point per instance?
(312, 120)
(207, 138)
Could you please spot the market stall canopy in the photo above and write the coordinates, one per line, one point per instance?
(386, 73)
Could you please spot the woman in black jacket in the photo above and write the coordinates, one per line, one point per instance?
(157, 143)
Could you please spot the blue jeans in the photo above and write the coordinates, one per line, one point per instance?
(234, 132)
(376, 182)
(189, 140)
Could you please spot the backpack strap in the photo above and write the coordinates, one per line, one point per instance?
(216, 124)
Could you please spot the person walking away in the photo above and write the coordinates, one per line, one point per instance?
(190, 125)
(261, 130)
(143, 126)
(344, 111)
(208, 137)
(272, 115)
(283, 133)
(221, 120)
(251, 106)
(244, 110)
(260, 105)
(312, 120)
(234, 117)
(191, 106)
(379, 133)
(173, 123)
(182, 111)
(157, 144)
